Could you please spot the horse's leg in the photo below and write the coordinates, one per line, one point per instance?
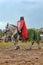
(31, 45)
(15, 43)
(17, 46)
(39, 47)
(18, 38)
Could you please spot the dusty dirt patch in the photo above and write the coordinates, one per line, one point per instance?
(9, 56)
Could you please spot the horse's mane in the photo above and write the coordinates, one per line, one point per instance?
(13, 25)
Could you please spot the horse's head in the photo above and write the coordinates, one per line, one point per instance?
(7, 28)
(11, 28)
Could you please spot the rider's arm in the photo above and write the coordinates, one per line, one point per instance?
(21, 25)
(18, 25)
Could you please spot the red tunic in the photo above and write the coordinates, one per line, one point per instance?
(21, 25)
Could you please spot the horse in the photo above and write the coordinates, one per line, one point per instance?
(10, 28)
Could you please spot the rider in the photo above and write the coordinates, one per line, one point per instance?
(22, 29)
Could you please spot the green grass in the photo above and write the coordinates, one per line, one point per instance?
(22, 44)
(27, 44)
(2, 43)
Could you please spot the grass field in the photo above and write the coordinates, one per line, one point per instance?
(21, 44)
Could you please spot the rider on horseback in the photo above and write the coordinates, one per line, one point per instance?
(22, 29)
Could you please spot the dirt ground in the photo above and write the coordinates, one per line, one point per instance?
(10, 56)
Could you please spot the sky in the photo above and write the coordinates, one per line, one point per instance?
(12, 10)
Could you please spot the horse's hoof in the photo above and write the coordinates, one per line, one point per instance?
(39, 47)
(30, 48)
(17, 48)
